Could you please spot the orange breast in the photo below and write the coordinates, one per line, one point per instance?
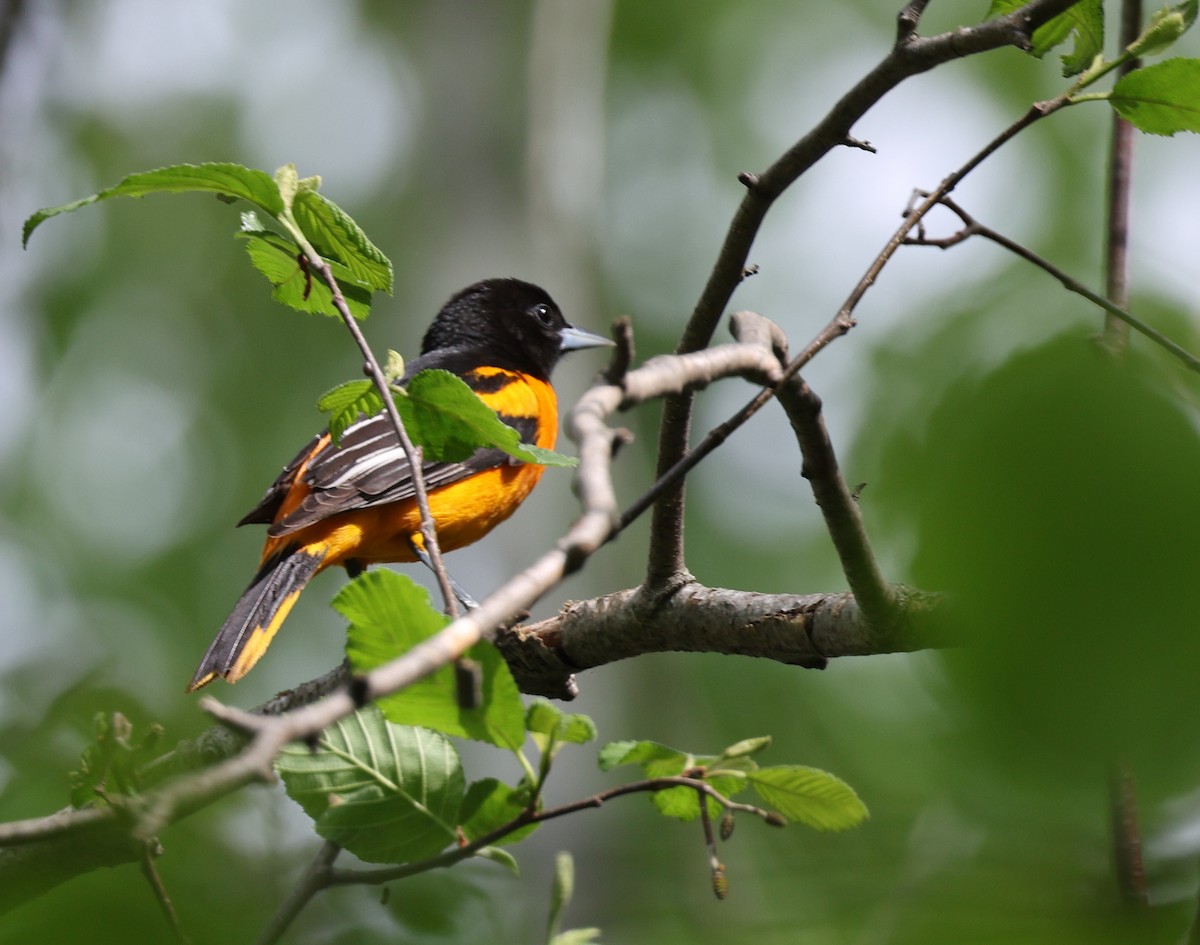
(464, 511)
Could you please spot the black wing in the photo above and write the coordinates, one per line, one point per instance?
(368, 468)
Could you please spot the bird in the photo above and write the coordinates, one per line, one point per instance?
(352, 503)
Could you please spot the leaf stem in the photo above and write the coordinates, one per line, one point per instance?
(371, 365)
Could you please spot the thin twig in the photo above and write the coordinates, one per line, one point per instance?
(909, 56)
(1127, 838)
(972, 227)
(1120, 173)
(450, 857)
(411, 452)
(666, 487)
(315, 878)
(150, 872)
(716, 868)
(842, 517)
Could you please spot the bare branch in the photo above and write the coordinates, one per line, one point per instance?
(842, 517)
(798, 629)
(315, 878)
(150, 850)
(909, 56)
(250, 761)
(1127, 838)
(1120, 178)
(972, 227)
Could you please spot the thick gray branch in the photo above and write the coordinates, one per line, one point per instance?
(798, 629)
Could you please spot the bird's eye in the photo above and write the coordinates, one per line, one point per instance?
(543, 313)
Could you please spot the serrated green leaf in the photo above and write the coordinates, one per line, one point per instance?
(296, 286)
(643, 753)
(489, 805)
(542, 717)
(225, 180)
(336, 236)
(387, 793)
(1085, 20)
(809, 795)
(1160, 99)
(347, 402)
(389, 614)
(450, 422)
(577, 729)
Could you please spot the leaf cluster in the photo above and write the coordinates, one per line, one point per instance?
(1160, 99)
(111, 766)
(440, 412)
(388, 785)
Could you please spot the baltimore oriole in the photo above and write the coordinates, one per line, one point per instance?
(352, 503)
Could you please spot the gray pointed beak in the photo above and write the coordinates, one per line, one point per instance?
(574, 338)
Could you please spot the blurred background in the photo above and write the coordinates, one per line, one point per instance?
(152, 390)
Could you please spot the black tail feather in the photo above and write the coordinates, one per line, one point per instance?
(248, 630)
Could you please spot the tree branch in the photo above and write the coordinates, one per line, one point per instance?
(1120, 174)
(321, 873)
(842, 517)
(972, 227)
(909, 56)
(251, 759)
(797, 629)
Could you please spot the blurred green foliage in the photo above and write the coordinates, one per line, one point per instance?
(152, 389)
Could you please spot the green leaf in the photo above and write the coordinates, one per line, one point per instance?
(683, 803)
(542, 717)
(576, 937)
(577, 729)
(347, 402)
(1085, 20)
(278, 258)
(809, 795)
(549, 725)
(501, 858)
(393, 368)
(650, 755)
(1160, 99)
(1164, 27)
(450, 422)
(389, 614)
(489, 805)
(112, 765)
(231, 181)
(337, 237)
(747, 746)
(288, 181)
(561, 891)
(386, 793)
(659, 761)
